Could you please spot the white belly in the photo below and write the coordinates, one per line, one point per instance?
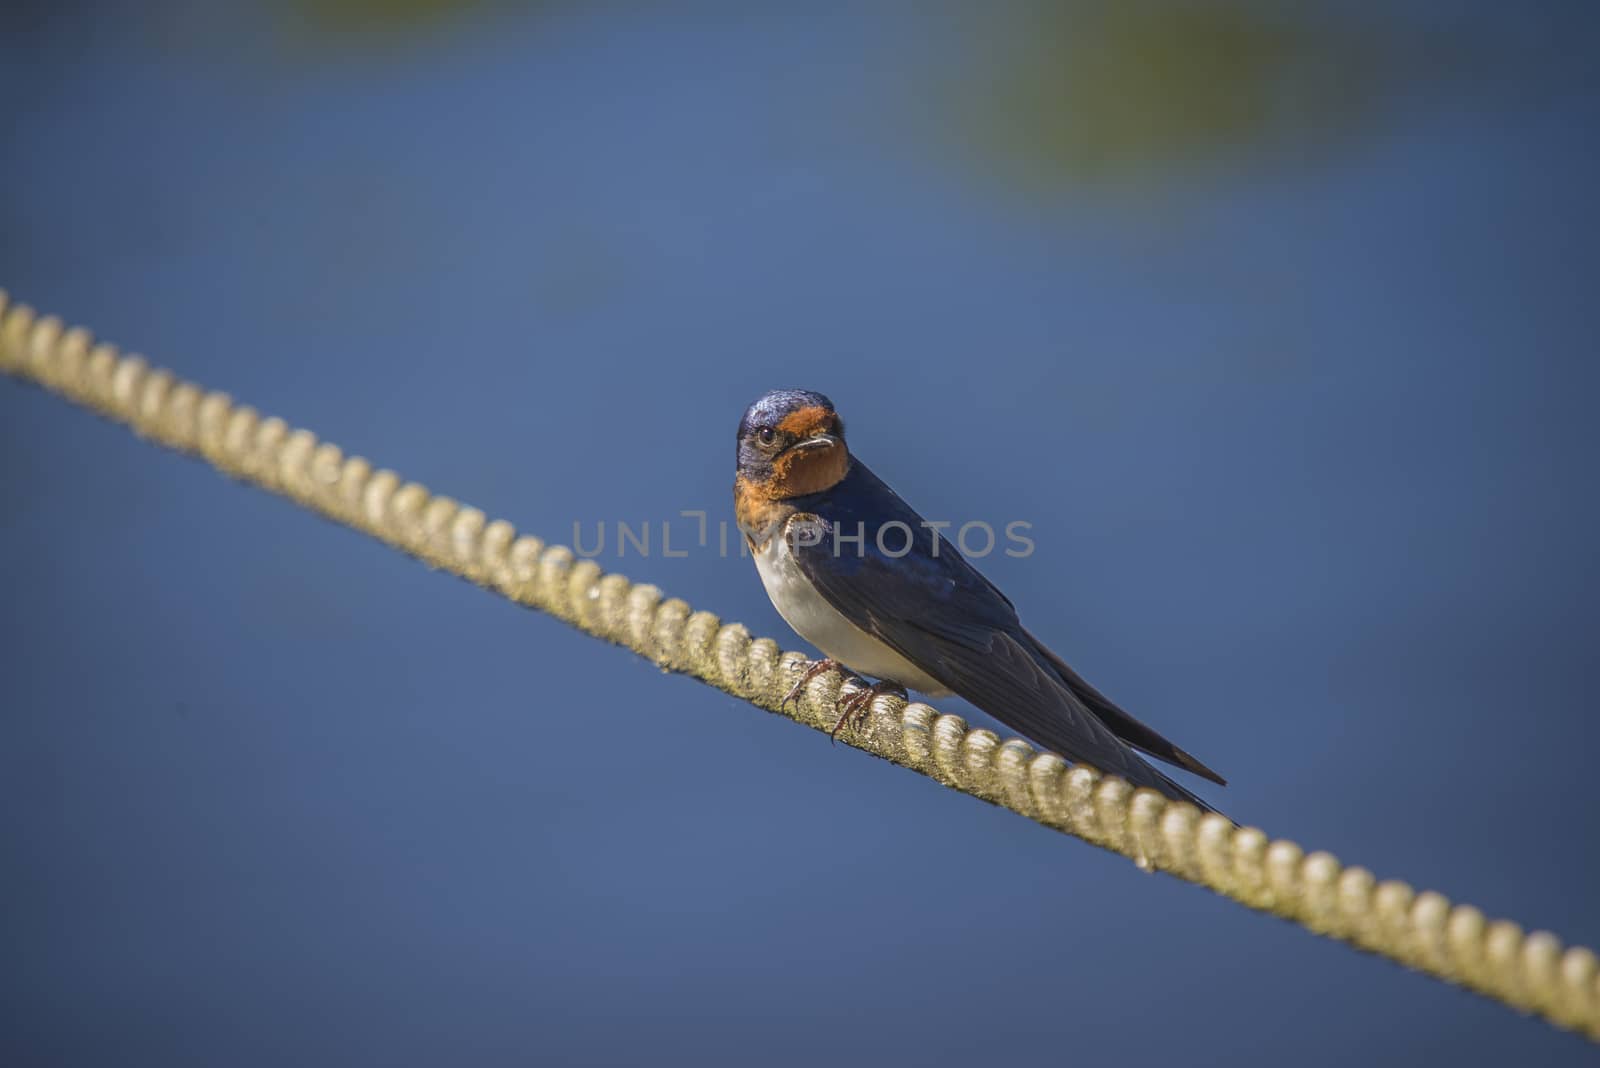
(819, 623)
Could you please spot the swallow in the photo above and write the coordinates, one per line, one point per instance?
(859, 574)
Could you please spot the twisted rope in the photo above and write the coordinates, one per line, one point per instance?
(1529, 971)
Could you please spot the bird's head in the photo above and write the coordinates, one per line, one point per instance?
(791, 443)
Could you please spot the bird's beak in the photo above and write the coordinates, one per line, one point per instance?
(817, 442)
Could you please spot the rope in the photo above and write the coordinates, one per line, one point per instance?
(1529, 971)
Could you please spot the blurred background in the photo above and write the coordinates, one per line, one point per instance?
(1276, 321)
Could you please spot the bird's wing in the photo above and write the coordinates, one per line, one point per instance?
(933, 608)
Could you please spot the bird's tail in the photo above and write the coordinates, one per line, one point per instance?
(1139, 735)
(1178, 792)
(1136, 734)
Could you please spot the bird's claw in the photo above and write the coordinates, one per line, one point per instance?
(816, 668)
(854, 709)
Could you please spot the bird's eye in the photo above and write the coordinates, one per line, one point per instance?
(766, 435)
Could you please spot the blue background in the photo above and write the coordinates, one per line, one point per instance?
(1279, 327)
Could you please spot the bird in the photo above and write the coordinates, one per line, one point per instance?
(858, 573)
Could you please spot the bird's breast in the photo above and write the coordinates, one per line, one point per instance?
(818, 622)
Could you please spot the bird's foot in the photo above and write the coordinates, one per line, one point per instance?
(853, 709)
(818, 667)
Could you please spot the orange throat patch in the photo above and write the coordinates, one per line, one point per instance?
(798, 472)
(761, 507)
